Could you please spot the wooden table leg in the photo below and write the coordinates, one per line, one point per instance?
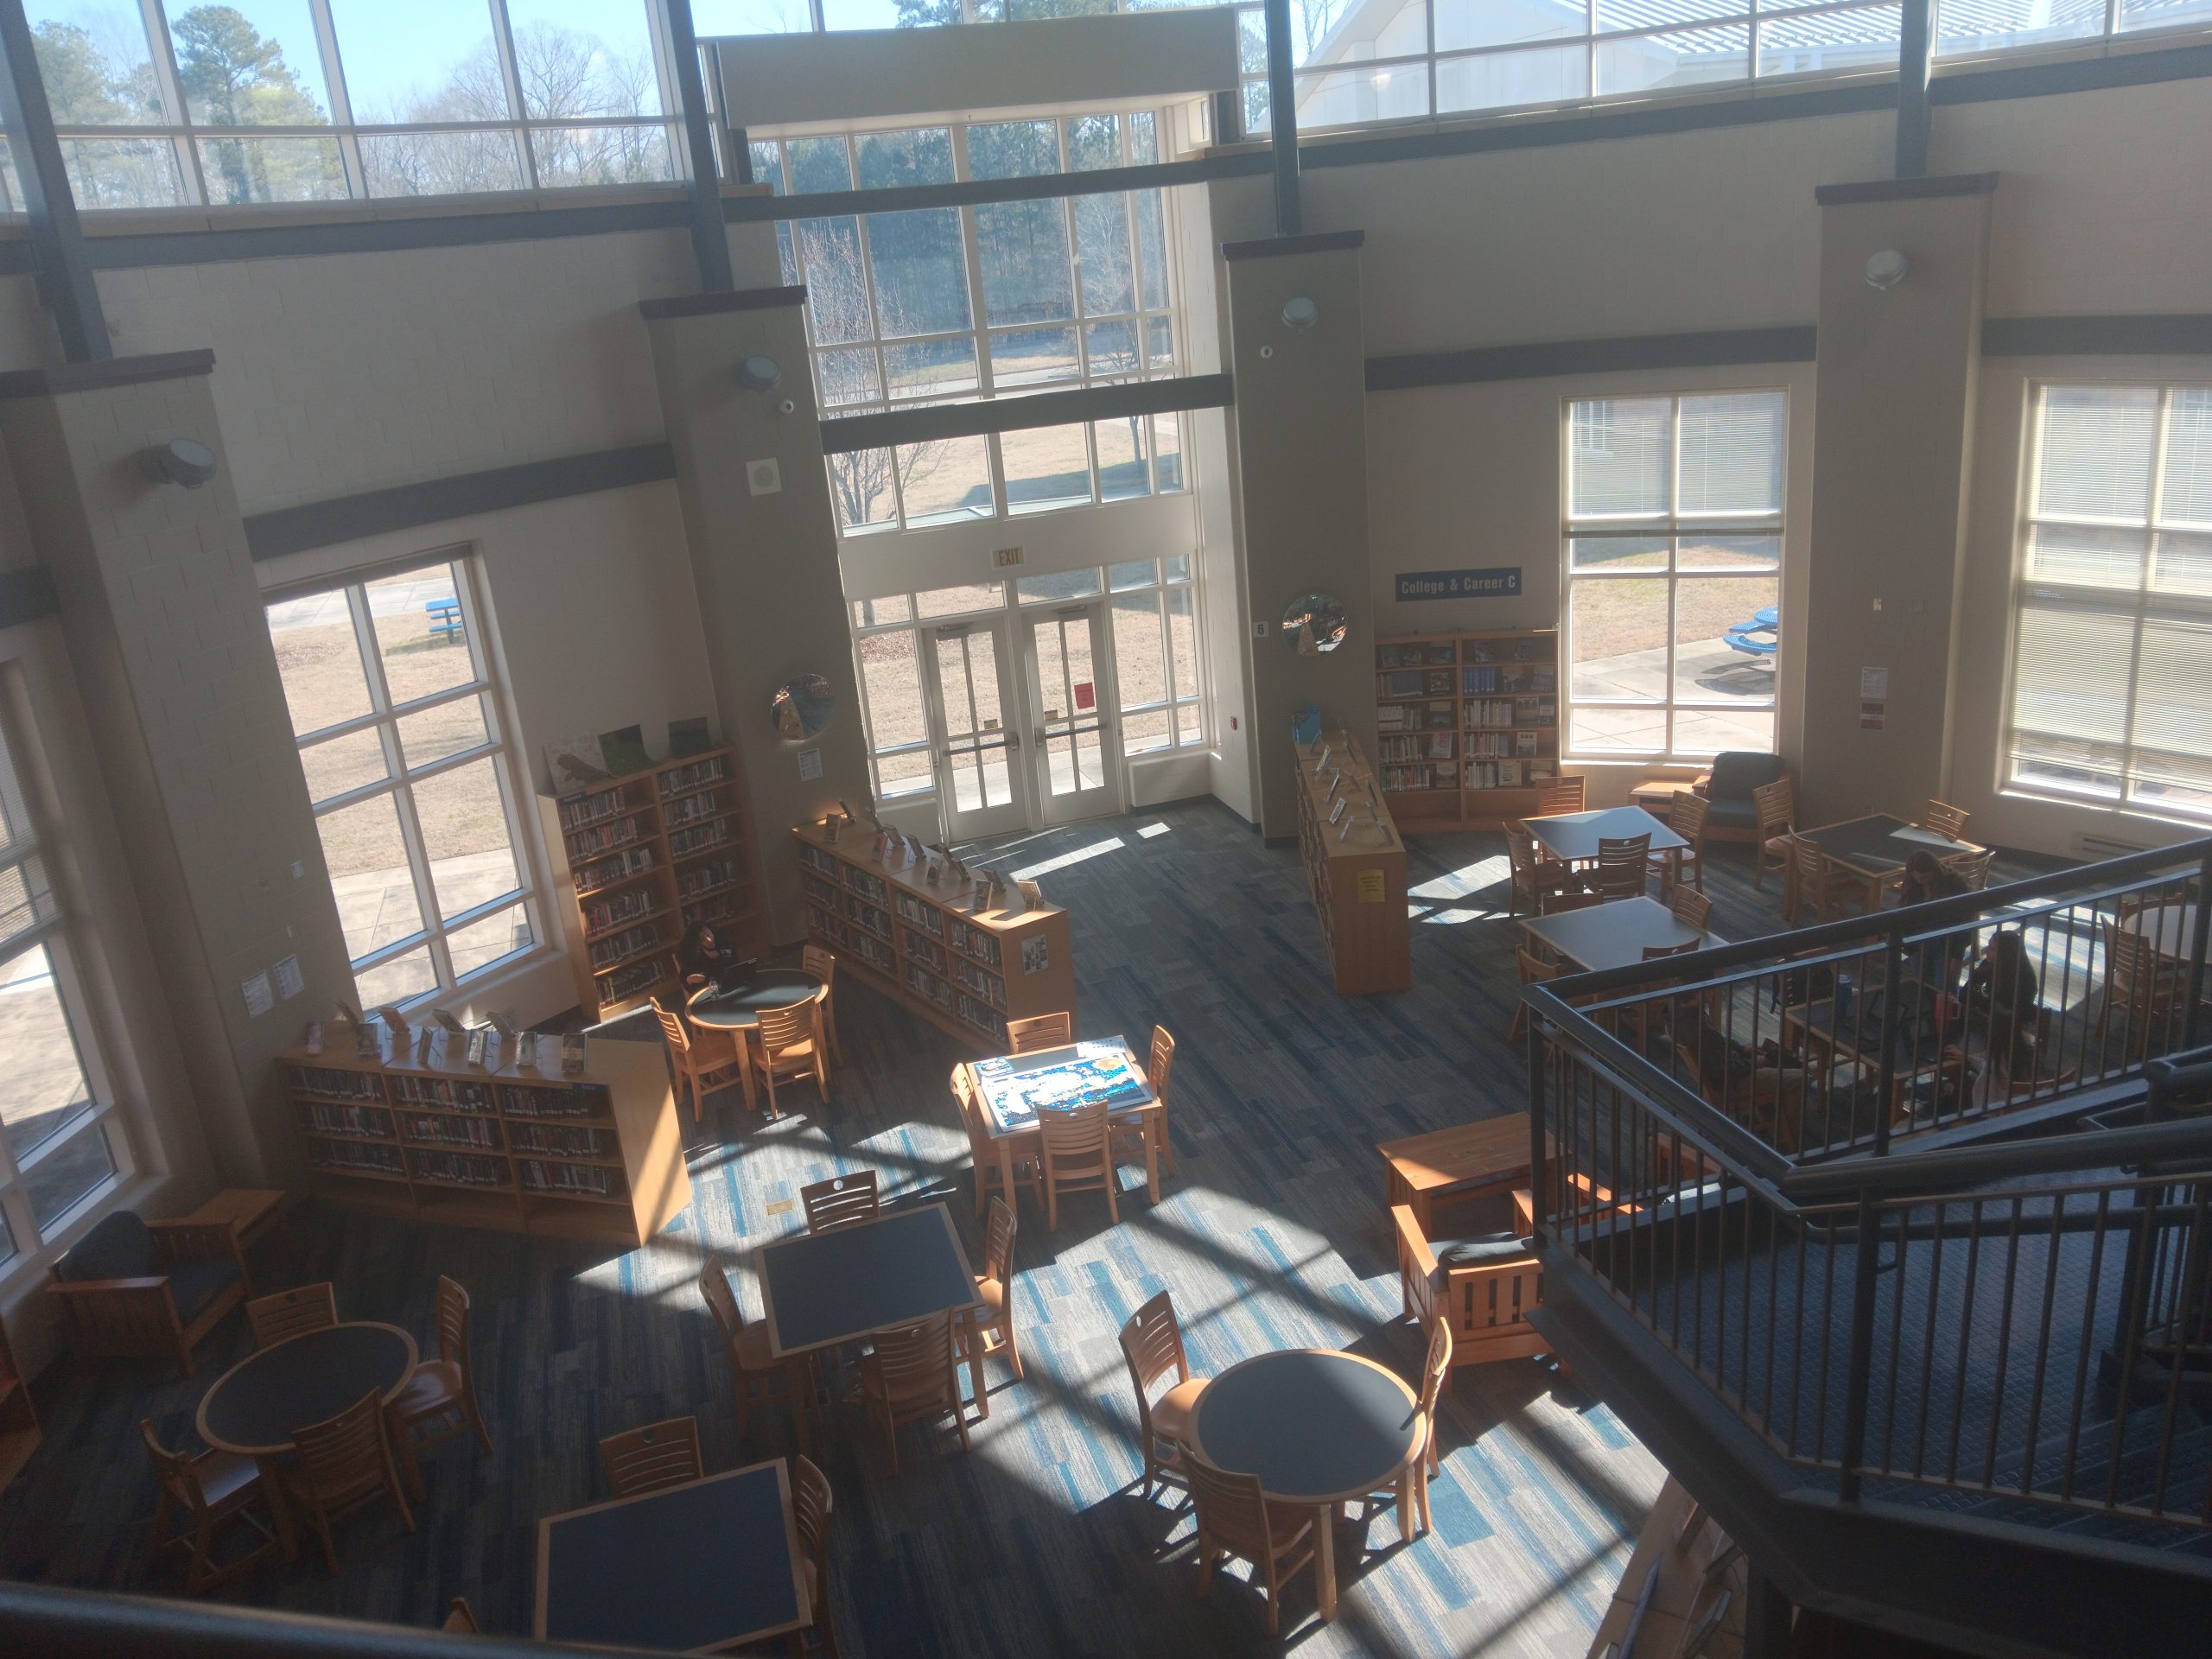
(1153, 1128)
(744, 1042)
(1406, 1504)
(280, 1508)
(1006, 1173)
(1324, 1560)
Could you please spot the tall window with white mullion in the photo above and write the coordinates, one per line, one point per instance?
(1155, 615)
(396, 710)
(2112, 664)
(886, 651)
(1672, 564)
(58, 1148)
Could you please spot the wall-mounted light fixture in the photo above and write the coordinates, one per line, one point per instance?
(1886, 270)
(760, 374)
(181, 461)
(1299, 314)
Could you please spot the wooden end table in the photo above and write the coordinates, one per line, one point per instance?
(1469, 1159)
(252, 1213)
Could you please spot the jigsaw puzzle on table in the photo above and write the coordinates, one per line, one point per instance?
(1097, 1071)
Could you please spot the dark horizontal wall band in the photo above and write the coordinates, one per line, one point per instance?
(140, 250)
(708, 305)
(26, 596)
(1050, 187)
(17, 257)
(2179, 335)
(1926, 188)
(2075, 75)
(1551, 359)
(1270, 247)
(1020, 414)
(349, 518)
(58, 378)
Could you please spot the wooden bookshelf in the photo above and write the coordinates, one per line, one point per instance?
(644, 856)
(421, 1134)
(1465, 725)
(1678, 1545)
(966, 970)
(1355, 868)
(19, 1432)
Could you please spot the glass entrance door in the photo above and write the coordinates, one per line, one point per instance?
(980, 790)
(1075, 753)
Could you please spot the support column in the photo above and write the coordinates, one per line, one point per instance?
(1893, 425)
(764, 558)
(180, 687)
(1299, 440)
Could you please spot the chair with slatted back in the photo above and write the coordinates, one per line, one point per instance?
(754, 1371)
(990, 1329)
(1944, 820)
(1774, 806)
(344, 1464)
(204, 1495)
(1236, 1519)
(441, 1392)
(841, 1201)
(822, 964)
(1152, 1347)
(911, 1376)
(1142, 1134)
(1581, 898)
(1537, 875)
(1558, 795)
(460, 1618)
(1816, 885)
(1041, 1031)
(1972, 868)
(292, 1314)
(1622, 867)
(788, 1045)
(1534, 970)
(703, 1058)
(1079, 1157)
(1687, 817)
(1411, 1495)
(647, 1460)
(2142, 990)
(1691, 907)
(812, 1503)
(983, 1152)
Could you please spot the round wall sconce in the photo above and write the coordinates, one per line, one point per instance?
(1299, 314)
(181, 461)
(760, 374)
(1886, 270)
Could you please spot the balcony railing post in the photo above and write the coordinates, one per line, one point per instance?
(2196, 945)
(1859, 1377)
(1537, 1173)
(1893, 993)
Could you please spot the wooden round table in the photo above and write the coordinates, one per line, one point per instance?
(738, 1008)
(2170, 930)
(1318, 1428)
(258, 1407)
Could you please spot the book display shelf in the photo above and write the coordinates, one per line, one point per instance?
(417, 1132)
(1466, 724)
(647, 855)
(966, 970)
(19, 1432)
(1355, 866)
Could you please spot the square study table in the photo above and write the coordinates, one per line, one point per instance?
(1876, 848)
(1465, 1160)
(1573, 837)
(1013, 1088)
(1613, 935)
(823, 1289)
(694, 1569)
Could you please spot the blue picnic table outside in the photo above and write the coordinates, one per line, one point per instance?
(1759, 636)
(445, 619)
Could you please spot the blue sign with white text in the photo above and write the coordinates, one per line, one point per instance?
(1500, 581)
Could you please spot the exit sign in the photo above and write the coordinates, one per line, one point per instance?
(1004, 556)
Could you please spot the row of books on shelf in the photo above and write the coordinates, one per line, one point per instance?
(349, 1157)
(873, 951)
(698, 838)
(1443, 774)
(690, 808)
(458, 1169)
(334, 1084)
(1416, 654)
(716, 907)
(1513, 711)
(635, 904)
(987, 986)
(877, 922)
(581, 811)
(1475, 774)
(934, 987)
(586, 1180)
(1417, 683)
(606, 872)
(683, 778)
(616, 947)
(868, 884)
(976, 943)
(453, 1131)
(523, 1100)
(333, 1119)
(1433, 745)
(928, 917)
(601, 838)
(816, 858)
(922, 949)
(633, 979)
(702, 877)
(559, 1141)
(1481, 682)
(1415, 717)
(981, 1016)
(1502, 745)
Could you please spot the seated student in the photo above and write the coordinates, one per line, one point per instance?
(701, 958)
(2003, 988)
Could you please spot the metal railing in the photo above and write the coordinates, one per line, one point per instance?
(2009, 1327)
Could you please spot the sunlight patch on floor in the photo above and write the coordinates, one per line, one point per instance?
(1111, 844)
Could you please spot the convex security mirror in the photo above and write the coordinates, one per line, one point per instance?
(803, 705)
(1315, 624)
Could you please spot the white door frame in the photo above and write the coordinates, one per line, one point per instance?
(1052, 716)
(958, 735)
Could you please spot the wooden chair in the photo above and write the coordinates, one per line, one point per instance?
(1234, 1519)
(1141, 1135)
(1691, 907)
(983, 1152)
(1686, 816)
(1814, 884)
(822, 964)
(752, 1366)
(1481, 1288)
(1435, 1368)
(207, 1493)
(132, 1288)
(1041, 1031)
(1079, 1157)
(344, 1464)
(1623, 867)
(1775, 806)
(1972, 868)
(292, 1314)
(788, 1045)
(1944, 820)
(2142, 987)
(1534, 970)
(441, 1392)
(841, 1201)
(911, 1376)
(1152, 1347)
(812, 1503)
(460, 1618)
(1581, 899)
(1536, 873)
(649, 1458)
(1558, 795)
(992, 1330)
(703, 1058)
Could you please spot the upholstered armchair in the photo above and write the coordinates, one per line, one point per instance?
(1729, 785)
(134, 1288)
(1482, 1286)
